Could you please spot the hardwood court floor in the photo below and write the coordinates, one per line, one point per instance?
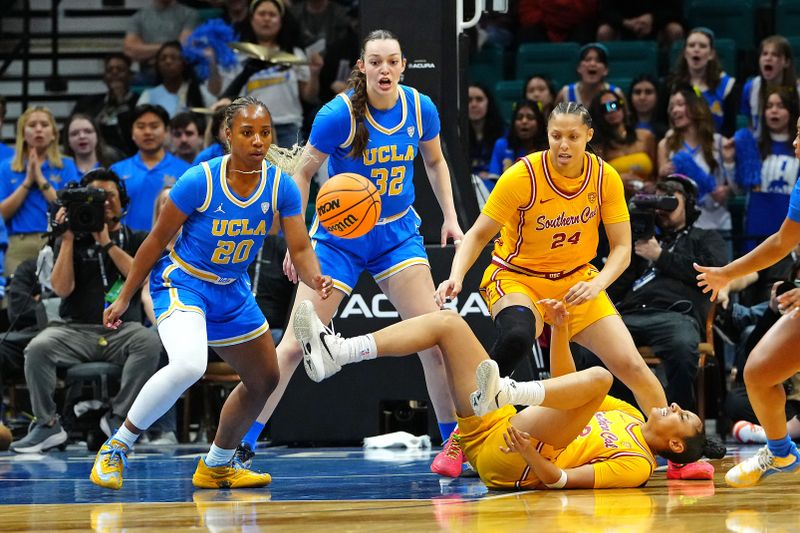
(346, 489)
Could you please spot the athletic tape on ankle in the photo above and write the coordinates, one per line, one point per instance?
(558, 484)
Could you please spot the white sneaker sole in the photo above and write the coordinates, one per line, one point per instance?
(487, 376)
(50, 442)
(305, 331)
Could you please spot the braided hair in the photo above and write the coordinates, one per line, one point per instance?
(358, 83)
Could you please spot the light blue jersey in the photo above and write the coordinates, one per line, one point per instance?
(206, 272)
(794, 203)
(224, 232)
(394, 137)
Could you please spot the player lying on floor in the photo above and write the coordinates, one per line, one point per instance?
(572, 435)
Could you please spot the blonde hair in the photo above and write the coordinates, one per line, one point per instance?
(288, 160)
(21, 147)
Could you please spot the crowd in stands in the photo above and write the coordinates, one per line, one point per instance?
(173, 75)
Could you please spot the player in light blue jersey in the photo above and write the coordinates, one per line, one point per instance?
(201, 293)
(375, 129)
(774, 359)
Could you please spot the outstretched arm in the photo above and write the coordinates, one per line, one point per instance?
(305, 259)
(439, 176)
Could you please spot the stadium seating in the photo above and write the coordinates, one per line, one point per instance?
(555, 60)
(487, 66)
(729, 19)
(631, 58)
(507, 92)
(787, 18)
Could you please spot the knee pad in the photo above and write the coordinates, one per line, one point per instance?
(516, 332)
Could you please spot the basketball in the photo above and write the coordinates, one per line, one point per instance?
(348, 205)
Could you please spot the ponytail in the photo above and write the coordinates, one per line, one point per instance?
(358, 83)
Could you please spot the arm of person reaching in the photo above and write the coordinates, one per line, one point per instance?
(169, 222)
(619, 257)
(134, 47)
(439, 176)
(556, 314)
(310, 161)
(303, 256)
(471, 247)
(773, 249)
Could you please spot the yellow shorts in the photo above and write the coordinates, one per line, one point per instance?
(498, 282)
(481, 439)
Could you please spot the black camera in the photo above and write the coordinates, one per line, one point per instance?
(85, 209)
(643, 213)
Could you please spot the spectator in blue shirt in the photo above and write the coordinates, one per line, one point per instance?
(28, 184)
(5, 151)
(150, 168)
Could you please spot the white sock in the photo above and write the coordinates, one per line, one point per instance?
(217, 456)
(359, 348)
(523, 392)
(748, 432)
(125, 436)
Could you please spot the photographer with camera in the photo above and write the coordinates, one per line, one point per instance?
(93, 256)
(657, 295)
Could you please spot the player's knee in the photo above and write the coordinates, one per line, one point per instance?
(516, 327)
(450, 320)
(187, 372)
(600, 378)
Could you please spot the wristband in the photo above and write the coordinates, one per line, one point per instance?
(558, 484)
(108, 246)
(44, 186)
(26, 186)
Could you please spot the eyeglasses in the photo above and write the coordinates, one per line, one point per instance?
(610, 107)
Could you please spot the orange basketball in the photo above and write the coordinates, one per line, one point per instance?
(348, 205)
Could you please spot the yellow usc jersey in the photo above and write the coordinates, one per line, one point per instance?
(613, 444)
(550, 222)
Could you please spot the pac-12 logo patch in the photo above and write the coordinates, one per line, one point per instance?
(592, 197)
(264, 207)
(410, 131)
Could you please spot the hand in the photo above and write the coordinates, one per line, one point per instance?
(288, 268)
(323, 285)
(446, 292)
(102, 237)
(112, 313)
(773, 297)
(724, 296)
(711, 279)
(34, 168)
(451, 229)
(789, 303)
(555, 312)
(61, 217)
(519, 442)
(582, 292)
(649, 249)
(643, 25)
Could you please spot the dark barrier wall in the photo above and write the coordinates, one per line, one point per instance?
(347, 407)
(427, 33)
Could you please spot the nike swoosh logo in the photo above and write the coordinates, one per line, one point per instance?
(543, 201)
(325, 344)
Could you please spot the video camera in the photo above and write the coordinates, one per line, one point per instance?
(643, 213)
(85, 209)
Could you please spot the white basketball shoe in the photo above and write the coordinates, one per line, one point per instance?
(322, 353)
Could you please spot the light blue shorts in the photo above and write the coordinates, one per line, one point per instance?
(232, 315)
(384, 251)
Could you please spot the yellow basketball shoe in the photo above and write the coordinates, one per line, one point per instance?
(229, 476)
(109, 464)
(753, 470)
